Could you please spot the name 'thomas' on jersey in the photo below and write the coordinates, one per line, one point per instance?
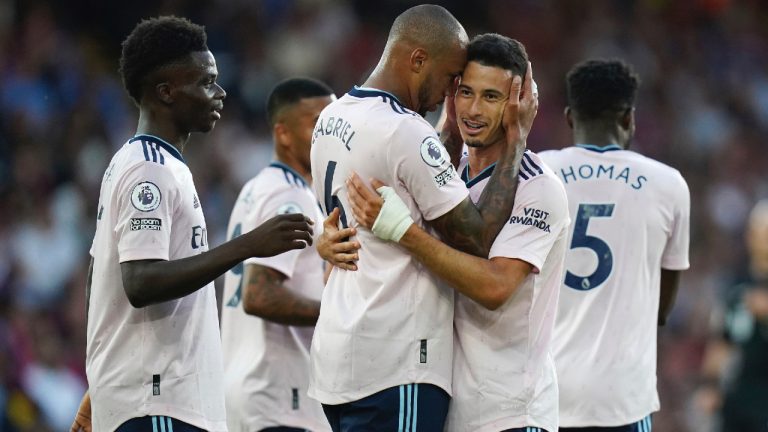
(162, 359)
(630, 219)
(504, 371)
(266, 364)
(389, 323)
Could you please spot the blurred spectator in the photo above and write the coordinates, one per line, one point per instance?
(735, 376)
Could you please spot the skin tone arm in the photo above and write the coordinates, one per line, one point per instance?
(266, 297)
(669, 284)
(149, 282)
(471, 228)
(489, 282)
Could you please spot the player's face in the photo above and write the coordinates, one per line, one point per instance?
(300, 121)
(480, 102)
(198, 99)
(439, 78)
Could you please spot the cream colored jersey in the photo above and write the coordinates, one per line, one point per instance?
(389, 323)
(631, 219)
(266, 365)
(503, 369)
(163, 359)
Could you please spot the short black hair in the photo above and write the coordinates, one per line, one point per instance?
(291, 91)
(599, 87)
(154, 43)
(492, 49)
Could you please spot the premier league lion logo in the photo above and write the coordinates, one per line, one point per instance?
(145, 196)
(432, 152)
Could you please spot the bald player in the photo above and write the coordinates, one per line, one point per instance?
(381, 355)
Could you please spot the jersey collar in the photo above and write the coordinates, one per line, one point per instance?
(162, 143)
(484, 174)
(363, 92)
(594, 148)
(289, 171)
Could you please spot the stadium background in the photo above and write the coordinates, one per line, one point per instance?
(703, 108)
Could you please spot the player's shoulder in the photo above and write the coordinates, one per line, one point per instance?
(385, 102)
(278, 177)
(146, 157)
(534, 167)
(151, 149)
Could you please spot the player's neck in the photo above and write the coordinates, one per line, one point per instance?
(305, 172)
(163, 130)
(481, 158)
(597, 138)
(382, 79)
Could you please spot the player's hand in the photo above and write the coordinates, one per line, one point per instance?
(366, 204)
(332, 245)
(521, 109)
(386, 216)
(82, 422)
(448, 125)
(280, 234)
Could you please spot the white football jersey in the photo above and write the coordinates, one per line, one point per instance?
(389, 323)
(630, 219)
(266, 365)
(163, 359)
(503, 370)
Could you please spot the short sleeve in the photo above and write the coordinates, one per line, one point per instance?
(145, 200)
(283, 201)
(424, 167)
(675, 256)
(539, 215)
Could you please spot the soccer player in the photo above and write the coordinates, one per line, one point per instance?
(627, 247)
(381, 356)
(503, 370)
(271, 304)
(154, 353)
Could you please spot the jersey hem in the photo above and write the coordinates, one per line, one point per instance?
(336, 398)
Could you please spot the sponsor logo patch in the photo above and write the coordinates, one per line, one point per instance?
(146, 196)
(444, 177)
(532, 217)
(148, 224)
(288, 208)
(432, 152)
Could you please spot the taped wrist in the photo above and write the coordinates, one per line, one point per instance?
(394, 219)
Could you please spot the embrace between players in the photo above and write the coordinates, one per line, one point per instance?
(538, 310)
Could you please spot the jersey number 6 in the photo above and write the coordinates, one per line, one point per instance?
(332, 201)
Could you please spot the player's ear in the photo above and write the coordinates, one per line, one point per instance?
(418, 60)
(280, 132)
(568, 116)
(164, 93)
(627, 119)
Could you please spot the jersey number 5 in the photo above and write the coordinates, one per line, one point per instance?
(582, 240)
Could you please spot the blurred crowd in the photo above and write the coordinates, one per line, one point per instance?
(703, 109)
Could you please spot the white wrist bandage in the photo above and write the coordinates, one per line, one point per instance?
(394, 218)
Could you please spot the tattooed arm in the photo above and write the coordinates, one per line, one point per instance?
(267, 297)
(472, 228)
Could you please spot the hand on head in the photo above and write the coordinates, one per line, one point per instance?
(521, 108)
